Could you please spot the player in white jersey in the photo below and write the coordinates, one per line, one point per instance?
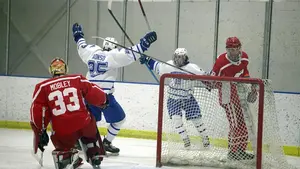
(180, 94)
(103, 65)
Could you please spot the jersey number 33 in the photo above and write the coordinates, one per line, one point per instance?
(69, 95)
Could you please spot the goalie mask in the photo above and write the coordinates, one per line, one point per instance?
(108, 45)
(233, 49)
(58, 67)
(180, 57)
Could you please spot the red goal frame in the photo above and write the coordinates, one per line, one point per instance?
(211, 78)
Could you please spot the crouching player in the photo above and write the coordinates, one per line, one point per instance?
(60, 100)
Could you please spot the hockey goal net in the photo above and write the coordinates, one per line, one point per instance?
(242, 130)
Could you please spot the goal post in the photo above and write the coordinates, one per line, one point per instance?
(262, 139)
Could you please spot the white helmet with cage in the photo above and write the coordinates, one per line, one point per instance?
(108, 45)
(180, 57)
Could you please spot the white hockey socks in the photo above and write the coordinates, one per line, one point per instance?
(113, 130)
(180, 129)
(199, 125)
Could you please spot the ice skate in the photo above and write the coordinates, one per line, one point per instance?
(96, 161)
(110, 148)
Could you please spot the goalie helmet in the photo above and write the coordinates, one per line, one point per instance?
(58, 67)
(233, 49)
(180, 57)
(108, 45)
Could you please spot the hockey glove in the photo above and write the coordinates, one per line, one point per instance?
(147, 40)
(44, 140)
(144, 59)
(77, 32)
(252, 96)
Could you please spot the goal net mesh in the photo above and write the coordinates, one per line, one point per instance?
(226, 114)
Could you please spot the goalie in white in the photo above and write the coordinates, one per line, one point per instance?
(103, 65)
(180, 94)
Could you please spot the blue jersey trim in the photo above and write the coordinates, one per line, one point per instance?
(151, 64)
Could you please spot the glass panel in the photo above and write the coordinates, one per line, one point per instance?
(3, 35)
(285, 47)
(96, 21)
(244, 20)
(37, 36)
(196, 34)
(162, 19)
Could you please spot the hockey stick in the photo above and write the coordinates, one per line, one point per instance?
(111, 13)
(37, 158)
(144, 14)
(97, 37)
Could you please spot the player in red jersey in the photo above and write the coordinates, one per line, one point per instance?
(233, 98)
(60, 101)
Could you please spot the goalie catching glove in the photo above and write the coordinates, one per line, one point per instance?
(252, 96)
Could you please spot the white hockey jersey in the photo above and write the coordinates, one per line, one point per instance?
(179, 88)
(103, 65)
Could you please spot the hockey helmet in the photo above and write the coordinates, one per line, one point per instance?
(107, 45)
(233, 48)
(180, 57)
(58, 67)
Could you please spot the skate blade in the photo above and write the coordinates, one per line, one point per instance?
(109, 154)
(96, 167)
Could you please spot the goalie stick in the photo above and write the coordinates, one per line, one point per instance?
(111, 13)
(97, 37)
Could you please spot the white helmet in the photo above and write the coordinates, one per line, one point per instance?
(180, 57)
(108, 45)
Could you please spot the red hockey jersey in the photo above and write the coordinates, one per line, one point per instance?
(62, 99)
(225, 67)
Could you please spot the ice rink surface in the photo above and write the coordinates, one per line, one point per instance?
(16, 146)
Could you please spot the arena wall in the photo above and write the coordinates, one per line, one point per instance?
(140, 101)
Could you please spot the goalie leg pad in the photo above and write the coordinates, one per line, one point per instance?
(66, 159)
(242, 92)
(238, 134)
(91, 144)
(92, 151)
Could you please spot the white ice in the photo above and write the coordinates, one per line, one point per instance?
(16, 146)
